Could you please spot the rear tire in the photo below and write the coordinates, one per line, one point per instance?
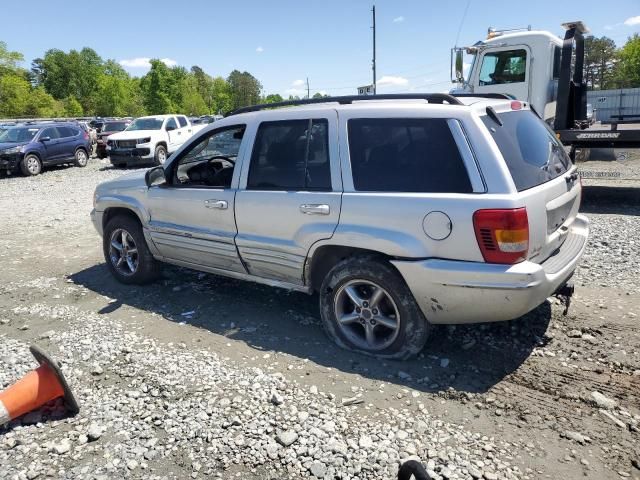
(126, 252)
(385, 320)
(81, 158)
(160, 155)
(30, 165)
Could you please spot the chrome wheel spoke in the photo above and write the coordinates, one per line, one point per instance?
(349, 318)
(370, 334)
(354, 296)
(124, 239)
(386, 321)
(116, 245)
(376, 297)
(133, 250)
(131, 265)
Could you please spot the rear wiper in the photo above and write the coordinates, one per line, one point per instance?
(494, 116)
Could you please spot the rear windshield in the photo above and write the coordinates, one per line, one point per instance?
(530, 149)
(114, 126)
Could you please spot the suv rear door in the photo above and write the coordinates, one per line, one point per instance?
(67, 141)
(290, 193)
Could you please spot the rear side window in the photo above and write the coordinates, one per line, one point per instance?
(531, 151)
(406, 155)
(182, 121)
(67, 132)
(291, 155)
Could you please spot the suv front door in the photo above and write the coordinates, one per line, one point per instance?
(290, 194)
(192, 215)
(50, 140)
(173, 133)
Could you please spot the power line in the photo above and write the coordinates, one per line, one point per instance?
(464, 15)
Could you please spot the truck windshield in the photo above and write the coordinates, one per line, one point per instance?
(530, 149)
(17, 135)
(146, 124)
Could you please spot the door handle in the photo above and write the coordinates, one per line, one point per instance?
(216, 204)
(179, 133)
(315, 209)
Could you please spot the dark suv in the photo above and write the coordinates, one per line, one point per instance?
(108, 128)
(29, 147)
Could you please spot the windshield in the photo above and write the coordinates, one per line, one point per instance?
(17, 135)
(530, 149)
(114, 126)
(146, 124)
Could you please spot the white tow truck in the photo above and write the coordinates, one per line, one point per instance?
(546, 71)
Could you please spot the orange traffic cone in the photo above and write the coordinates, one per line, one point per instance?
(36, 388)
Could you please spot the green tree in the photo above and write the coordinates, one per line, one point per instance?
(627, 71)
(244, 88)
(14, 95)
(599, 62)
(192, 101)
(273, 98)
(320, 95)
(72, 107)
(221, 96)
(41, 104)
(9, 60)
(156, 89)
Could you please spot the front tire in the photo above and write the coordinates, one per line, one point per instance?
(31, 165)
(126, 252)
(367, 307)
(160, 155)
(81, 158)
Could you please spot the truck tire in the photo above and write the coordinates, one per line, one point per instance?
(30, 165)
(160, 155)
(126, 252)
(367, 307)
(81, 158)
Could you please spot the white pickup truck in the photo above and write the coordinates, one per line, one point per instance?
(150, 139)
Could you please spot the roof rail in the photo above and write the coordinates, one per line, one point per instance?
(347, 99)
(498, 96)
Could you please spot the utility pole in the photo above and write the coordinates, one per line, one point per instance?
(308, 88)
(373, 10)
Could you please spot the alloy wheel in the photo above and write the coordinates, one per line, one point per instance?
(123, 252)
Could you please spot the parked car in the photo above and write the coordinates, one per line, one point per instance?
(97, 124)
(30, 147)
(400, 214)
(150, 139)
(109, 128)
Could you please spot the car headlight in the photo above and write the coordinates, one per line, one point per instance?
(143, 140)
(12, 150)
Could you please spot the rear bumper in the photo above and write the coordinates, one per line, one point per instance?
(453, 292)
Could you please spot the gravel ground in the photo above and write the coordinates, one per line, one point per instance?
(206, 377)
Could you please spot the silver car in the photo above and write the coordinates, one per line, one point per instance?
(400, 213)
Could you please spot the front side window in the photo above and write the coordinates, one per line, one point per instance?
(291, 155)
(171, 124)
(50, 132)
(210, 161)
(406, 155)
(508, 66)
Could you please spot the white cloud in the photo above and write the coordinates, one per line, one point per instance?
(389, 80)
(399, 19)
(259, 49)
(608, 27)
(632, 21)
(297, 83)
(144, 62)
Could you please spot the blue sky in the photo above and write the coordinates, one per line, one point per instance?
(283, 42)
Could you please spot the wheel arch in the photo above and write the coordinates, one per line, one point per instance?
(325, 257)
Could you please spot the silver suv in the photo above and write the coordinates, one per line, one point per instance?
(400, 211)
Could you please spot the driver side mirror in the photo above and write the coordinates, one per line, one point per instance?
(459, 66)
(170, 128)
(45, 139)
(155, 176)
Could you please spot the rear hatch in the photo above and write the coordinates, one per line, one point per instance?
(543, 174)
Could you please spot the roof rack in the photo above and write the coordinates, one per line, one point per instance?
(498, 96)
(347, 99)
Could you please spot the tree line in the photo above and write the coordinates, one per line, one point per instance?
(607, 67)
(81, 83)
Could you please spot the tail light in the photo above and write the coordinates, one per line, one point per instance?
(502, 234)
(85, 135)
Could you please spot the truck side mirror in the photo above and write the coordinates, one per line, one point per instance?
(459, 66)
